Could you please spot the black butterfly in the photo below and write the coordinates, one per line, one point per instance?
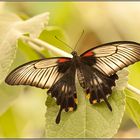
(96, 70)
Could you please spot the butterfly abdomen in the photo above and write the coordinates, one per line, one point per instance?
(81, 78)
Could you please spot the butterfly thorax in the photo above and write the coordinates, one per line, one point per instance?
(76, 58)
(74, 53)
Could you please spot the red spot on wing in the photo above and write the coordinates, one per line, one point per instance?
(90, 53)
(61, 60)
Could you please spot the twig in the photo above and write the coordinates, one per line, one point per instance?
(133, 89)
(37, 49)
(44, 45)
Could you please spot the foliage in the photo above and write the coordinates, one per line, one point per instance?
(23, 109)
(133, 107)
(11, 28)
(87, 121)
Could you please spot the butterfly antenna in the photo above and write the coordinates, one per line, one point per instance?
(63, 42)
(79, 40)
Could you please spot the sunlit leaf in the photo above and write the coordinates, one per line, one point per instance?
(7, 93)
(8, 125)
(133, 106)
(121, 83)
(88, 120)
(11, 28)
(134, 76)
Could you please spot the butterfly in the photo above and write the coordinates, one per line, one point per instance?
(96, 71)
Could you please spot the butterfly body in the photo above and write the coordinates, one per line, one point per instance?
(96, 71)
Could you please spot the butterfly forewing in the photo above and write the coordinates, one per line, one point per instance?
(40, 73)
(114, 56)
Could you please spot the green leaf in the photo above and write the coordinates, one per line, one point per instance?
(48, 35)
(6, 129)
(133, 106)
(88, 120)
(11, 28)
(134, 76)
(7, 93)
(121, 83)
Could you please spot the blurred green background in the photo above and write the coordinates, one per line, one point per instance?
(23, 113)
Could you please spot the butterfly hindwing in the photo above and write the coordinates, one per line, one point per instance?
(114, 56)
(96, 85)
(56, 74)
(64, 91)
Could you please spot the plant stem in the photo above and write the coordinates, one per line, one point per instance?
(39, 45)
(133, 89)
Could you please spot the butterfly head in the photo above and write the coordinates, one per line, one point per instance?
(74, 53)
